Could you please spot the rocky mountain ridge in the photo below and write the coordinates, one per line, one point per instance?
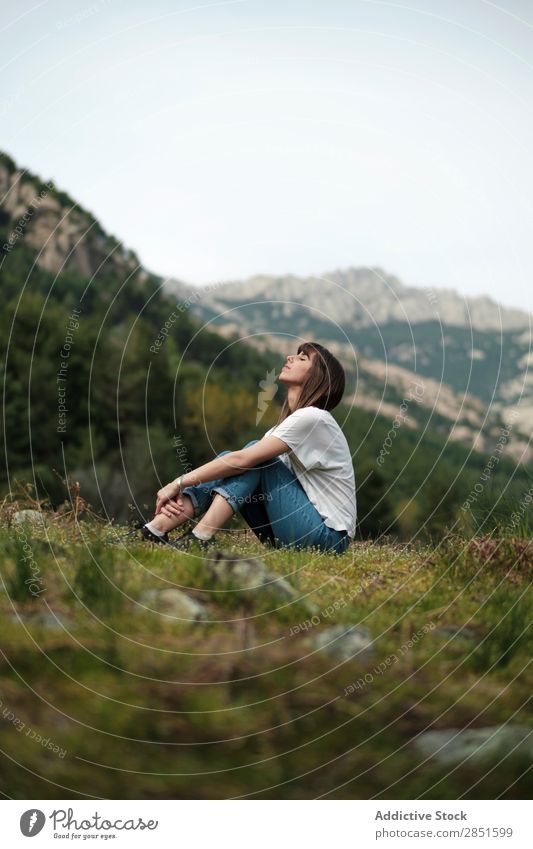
(361, 297)
(65, 236)
(471, 355)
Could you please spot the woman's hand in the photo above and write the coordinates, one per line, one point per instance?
(165, 494)
(172, 508)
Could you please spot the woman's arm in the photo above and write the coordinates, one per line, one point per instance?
(234, 463)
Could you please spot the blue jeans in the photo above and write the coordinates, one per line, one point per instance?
(274, 504)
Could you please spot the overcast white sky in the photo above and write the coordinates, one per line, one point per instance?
(220, 140)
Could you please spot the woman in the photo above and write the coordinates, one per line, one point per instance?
(295, 487)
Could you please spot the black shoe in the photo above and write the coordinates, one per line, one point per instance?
(188, 541)
(151, 537)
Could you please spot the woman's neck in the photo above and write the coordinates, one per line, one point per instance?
(293, 394)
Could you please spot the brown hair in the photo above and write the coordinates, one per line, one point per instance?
(325, 383)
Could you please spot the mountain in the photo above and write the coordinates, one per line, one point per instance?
(360, 297)
(471, 355)
(65, 237)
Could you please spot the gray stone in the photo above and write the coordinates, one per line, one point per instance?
(51, 622)
(247, 574)
(345, 642)
(173, 602)
(35, 517)
(47, 620)
(476, 745)
(455, 632)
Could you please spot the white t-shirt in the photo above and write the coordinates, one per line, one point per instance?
(321, 460)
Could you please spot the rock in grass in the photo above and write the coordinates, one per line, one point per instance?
(34, 517)
(476, 745)
(345, 642)
(459, 632)
(49, 621)
(246, 574)
(172, 602)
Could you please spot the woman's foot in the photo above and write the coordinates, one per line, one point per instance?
(189, 540)
(152, 536)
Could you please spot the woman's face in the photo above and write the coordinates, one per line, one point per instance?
(296, 369)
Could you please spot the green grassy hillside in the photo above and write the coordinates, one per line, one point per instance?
(106, 694)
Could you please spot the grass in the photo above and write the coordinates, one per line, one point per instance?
(95, 584)
(147, 706)
(20, 579)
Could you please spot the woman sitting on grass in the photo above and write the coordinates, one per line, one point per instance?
(295, 487)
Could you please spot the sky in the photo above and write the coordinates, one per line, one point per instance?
(225, 139)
